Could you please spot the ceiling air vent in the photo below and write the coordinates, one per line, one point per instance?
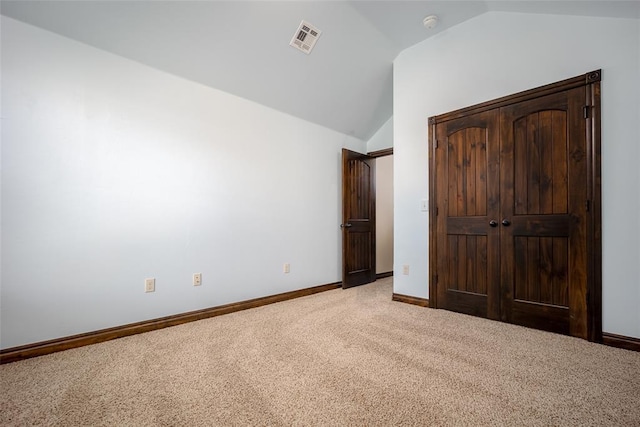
(305, 37)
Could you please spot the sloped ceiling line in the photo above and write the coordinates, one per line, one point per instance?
(243, 47)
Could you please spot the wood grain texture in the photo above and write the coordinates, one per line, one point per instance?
(422, 302)
(592, 77)
(433, 213)
(594, 217)
(548, 140)
(466, 189)
(358, 219)
(548, 175)
(47, 347)
(577, 199)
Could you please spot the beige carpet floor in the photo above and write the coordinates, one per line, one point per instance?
(340, 358)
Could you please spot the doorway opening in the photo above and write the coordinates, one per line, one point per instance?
(384, 214)
(364, 258)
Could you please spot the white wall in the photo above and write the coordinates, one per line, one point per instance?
(113, 172)
(383, 138)
(497, 54)
(384, 214)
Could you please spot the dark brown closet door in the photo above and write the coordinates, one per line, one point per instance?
(516, 234)
(468, 234)
(543, 194)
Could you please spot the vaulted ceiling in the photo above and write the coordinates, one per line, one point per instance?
(242, 47)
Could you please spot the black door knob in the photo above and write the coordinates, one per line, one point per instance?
(506, 222)
(493, 223)
(347, 225)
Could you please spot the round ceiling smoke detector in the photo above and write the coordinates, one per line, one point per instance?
(430, 21)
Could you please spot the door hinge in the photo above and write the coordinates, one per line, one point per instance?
(587, 205)
(436, 144)
(436, 279)
(436, 211)
(585, 111)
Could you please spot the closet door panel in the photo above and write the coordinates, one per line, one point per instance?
(467, 200)
(543, 195)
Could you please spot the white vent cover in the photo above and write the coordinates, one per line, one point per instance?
(305, 37)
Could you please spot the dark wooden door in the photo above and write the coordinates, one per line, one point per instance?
(468, 236)
(358, 219)
(515, 188)
(543, 195)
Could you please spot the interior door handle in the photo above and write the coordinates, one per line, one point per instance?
(493, 223)
(506, 222)
(347, 225)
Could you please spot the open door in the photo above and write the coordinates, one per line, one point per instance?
(358, 219)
